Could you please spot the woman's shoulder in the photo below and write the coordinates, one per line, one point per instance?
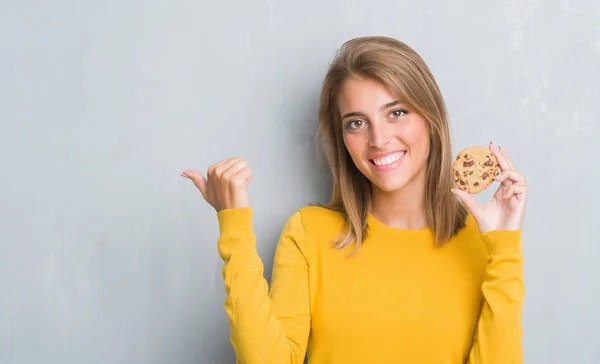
(319, 216)
(319, 210)
(317, 220)
(470, 229)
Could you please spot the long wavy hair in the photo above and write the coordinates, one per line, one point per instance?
(398, 67)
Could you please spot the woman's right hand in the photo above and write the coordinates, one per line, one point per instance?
(225, 185)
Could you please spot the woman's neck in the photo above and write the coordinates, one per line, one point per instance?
(403, 208)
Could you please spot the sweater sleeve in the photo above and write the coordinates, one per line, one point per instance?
(498, 334)
(266, 327)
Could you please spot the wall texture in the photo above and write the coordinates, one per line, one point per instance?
(108, 256)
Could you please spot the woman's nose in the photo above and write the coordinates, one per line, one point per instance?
(380, 135)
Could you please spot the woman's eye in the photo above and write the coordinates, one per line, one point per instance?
(399, 113)
(354, 124)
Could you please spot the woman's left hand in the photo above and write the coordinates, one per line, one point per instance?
(506, 209)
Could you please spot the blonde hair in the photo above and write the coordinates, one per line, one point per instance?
(403, 71)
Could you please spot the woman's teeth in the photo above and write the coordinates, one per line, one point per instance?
(388, 159)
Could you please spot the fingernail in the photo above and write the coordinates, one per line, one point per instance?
(453, 191)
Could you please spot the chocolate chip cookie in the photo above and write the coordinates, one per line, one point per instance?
(475, 169)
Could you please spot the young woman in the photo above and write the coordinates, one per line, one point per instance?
(399, 267)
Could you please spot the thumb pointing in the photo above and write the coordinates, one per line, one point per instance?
(199, 181)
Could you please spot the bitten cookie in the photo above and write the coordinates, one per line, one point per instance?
(475, 169)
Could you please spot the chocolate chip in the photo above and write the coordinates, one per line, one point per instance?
(468, 164)
(476, 184)
(488, 163)
(485, 175)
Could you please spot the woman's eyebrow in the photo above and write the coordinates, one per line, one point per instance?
(352, 114)
(358, 113)
(389, 104)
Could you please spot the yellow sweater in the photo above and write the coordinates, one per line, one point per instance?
(399, 300)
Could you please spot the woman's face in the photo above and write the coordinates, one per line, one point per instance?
(387, 140)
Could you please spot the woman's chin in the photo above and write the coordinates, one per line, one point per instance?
(389, 186)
